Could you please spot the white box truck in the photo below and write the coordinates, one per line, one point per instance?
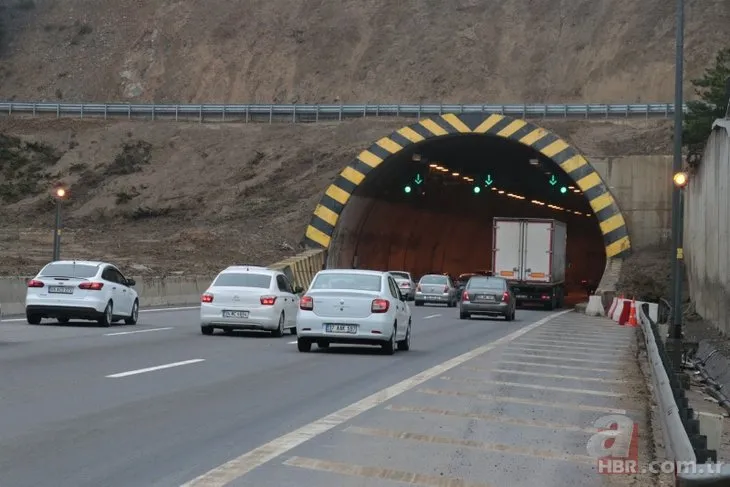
(530, 254)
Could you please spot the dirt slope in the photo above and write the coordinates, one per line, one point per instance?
(352, 50)
(191, 197)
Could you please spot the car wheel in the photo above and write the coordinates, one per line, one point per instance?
(463, 316)
(33, 319)
(108, 317)
(63, 320)
(304, 345)
(390, 346)
(206, 330)
(405, 344)
(280, 328)
(132, 320)
(508, 316)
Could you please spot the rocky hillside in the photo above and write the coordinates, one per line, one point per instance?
(311, 51)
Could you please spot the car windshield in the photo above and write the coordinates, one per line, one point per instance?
(485, 283)
(57, 269)
(234, 279)
(355, 282)
(434, 280)
(400, 275)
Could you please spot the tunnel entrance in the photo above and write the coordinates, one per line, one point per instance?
(423, 198)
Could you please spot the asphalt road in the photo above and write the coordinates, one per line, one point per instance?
(85, 407)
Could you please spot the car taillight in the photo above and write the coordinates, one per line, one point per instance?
(306, 303)
(446, 289)
(505, 297)
(268, 300)
(206, 298)
(380, 306)
(465, 296)
(35, 283)
(91, 286)
(405, 284)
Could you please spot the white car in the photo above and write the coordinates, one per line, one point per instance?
(406, 284)
(250, 298)
(351, 306)
(80, 289)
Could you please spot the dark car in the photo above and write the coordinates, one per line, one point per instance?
(484, 295)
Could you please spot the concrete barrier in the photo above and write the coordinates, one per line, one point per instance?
(595, 306)
(170, 290)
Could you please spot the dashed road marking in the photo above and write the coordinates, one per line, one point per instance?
(577, 337)
(550, 349)
(492, 418)
(558, 376)
(431, 316)
(400, 476)
(157, 367)
(564, 359)
(526, 402)
(136, 331)
(577, 341)
(556, 366)
(479, 445)
(565, 348)
(538, 387)
(233, 469)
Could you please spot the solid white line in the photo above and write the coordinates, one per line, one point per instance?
(229, 471)
(136, 331)
(153, 310)
(430, 316)
(152, 369)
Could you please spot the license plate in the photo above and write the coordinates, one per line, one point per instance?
(332, 328)
(522, 296)
(235, 314)
(60, 289)
(486, 297)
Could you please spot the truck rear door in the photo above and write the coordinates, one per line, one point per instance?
(507, 248)
(537, 242)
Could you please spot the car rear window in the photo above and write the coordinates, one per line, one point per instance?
(434, 280)
(400, 275)
(69, 270)
(485, 283)
(354, 282)
(243, 280)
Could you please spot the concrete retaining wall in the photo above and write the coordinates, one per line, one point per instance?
(169, 291)
(707, 230)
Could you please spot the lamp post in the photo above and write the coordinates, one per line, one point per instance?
(59, 195)
(674, 340)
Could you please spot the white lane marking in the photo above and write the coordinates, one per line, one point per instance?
(559, 376)
(233, 469)
(152, 369)
(153, 310)
(431, 316)
(539, 387)
(136, 331)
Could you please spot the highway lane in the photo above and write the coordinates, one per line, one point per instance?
(65, 422)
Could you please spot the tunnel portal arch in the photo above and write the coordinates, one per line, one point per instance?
(321, 228)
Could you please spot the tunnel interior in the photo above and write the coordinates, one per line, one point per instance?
(419, 210)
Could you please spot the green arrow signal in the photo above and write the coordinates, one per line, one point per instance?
(488, 181)
(418, 179)
(553, 180)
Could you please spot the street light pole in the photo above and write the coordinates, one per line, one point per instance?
(675, 333)
(57, 232)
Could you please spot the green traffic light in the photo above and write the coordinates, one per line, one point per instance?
(563, 189)
(407, 189)
(477, 189)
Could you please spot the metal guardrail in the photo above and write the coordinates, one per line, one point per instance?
(696, 466)
(315, 113)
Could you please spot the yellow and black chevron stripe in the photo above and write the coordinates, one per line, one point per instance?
(302, 268)
(612, 223)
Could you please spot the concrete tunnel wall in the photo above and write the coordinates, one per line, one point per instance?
(613, 226)
(389, 236)
(707, 230)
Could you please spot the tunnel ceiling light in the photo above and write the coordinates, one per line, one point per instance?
(432, 165)
(571, 187)
(494, 189)
(455, 174)
(538, 202)
(534, 162)
(501, 192)
(576, 191)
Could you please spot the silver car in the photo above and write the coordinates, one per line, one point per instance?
(436, 288)
(487, 296)
(406, 284)
(356, 307)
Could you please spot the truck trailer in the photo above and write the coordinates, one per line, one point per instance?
(530, 254)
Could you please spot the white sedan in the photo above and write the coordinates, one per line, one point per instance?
(80, 289)
(352, 306)
(249, 298)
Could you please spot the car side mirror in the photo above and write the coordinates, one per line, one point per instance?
(402, 297)
(131, 282)
(298, 289)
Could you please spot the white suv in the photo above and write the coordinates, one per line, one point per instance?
(250, 298)
(80, 289)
